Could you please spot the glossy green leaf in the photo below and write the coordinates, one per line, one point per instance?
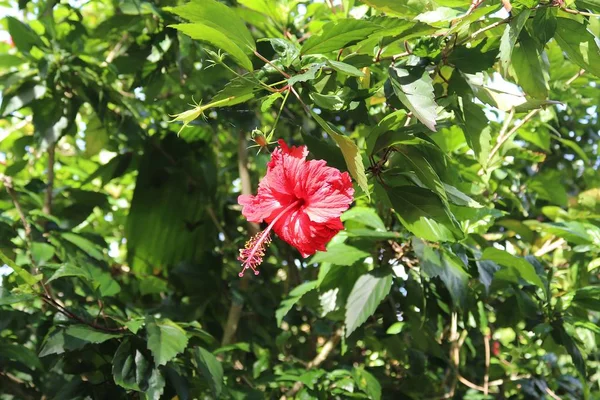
(369, 290)
(579, 44)
(414, 88)
(337, 35)
(294, 296)
(211, 369)
(529, 69)
(339, 254)
(515, 267)
(350, 152)
(166, 339)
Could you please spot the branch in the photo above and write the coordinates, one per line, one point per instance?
(235, 311)
(503, 138)
(574, 77)
(285, 74)
(318, 360)
(17, 387)
(8, 184)
(47, 208)
(50, 301)
(486, 377)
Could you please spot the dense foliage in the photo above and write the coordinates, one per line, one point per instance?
(468, 266)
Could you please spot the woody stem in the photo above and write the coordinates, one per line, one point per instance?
(265, 233)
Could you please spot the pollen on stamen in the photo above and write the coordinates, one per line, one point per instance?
(253, 252)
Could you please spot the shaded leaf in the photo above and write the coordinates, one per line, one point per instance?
(211, 368)
(368, 291)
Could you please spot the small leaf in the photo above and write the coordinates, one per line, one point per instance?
(337, 35)
(131, 368)
(308, 75)
(414, 88)
(294, 296)
(211, 368)
(84, 244)
(166, 339)
(560, 336)
(346, 68)
(368, 291)
(349, 150)
(364, 215)
(478, 131)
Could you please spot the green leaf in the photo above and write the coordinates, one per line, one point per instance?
(414, 88)
(579, 44)
(21, 354)
(23, 36)
(236, 91)
(294, 296)
(219, 17)
(515, 267)
(84, 244)
(364, 215)
(308, 75)
(89, 334)
(9, 60)
(339, 34)
(132, 369)
(529, 69)
(367, 383)
(41, 253)
(401, 8)
(345, 68)
(217, 39)
(27, 93)
(411, 159)
(445, 265)
(424, 214)
(339, 254)
(166, 339)
(211, 368)
(368, 291)
(560, 336)
(349, 150)
(478, 131)
(588, 297)
(545, 24)
(511, 35)
(21, 272)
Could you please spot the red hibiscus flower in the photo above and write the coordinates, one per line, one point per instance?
(300, 200)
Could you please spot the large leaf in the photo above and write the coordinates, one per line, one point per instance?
(579, 44)
(424, 214)
(132, 369)
(401, 8)
(414, 88)
(369, 290)
(350, 151)
(23, 36)
(367, 383)
(478, 131)
(21, 354)
(21, 272)
(529, 69)
(339, 254)
(511, 35)
(211, 369)
(515, 267)
(22, 97)
(220, 17)
(445, 265)
(294, 296)
(166, 339)
(337, 35)
(89, 334)
(217, 39)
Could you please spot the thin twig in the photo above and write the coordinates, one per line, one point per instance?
(549, 247)
(285, 74)
(514, 129)
(577, 12)
(50, 301)
(486, 376)
(318, 360)
(484, 29)
(8, 184)
(574, 77)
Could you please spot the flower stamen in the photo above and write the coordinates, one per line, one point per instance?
(253, 252)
